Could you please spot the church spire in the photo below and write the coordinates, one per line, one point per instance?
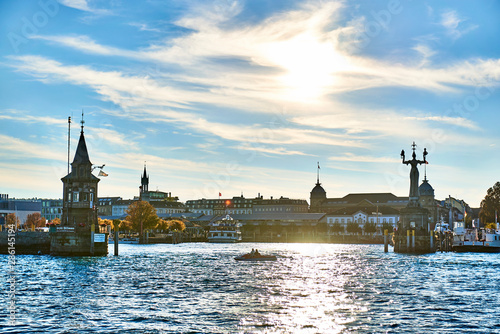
(144, 179)
(82, 122)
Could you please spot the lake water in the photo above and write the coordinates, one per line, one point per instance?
(200, 288)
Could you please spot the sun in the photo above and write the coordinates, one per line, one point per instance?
(311, 66)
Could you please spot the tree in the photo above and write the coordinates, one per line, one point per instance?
(142, 215)
(370, 227)
(322, 227)
(353, 227)
(12, 220)
(490, 204)
(116, 224)
(55, 221)
(388, 227)
(337, 227)
(176, 225)
(125, 226)
(162, 225)
(104, 221)
(35, 220)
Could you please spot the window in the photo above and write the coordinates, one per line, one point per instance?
(76, 196)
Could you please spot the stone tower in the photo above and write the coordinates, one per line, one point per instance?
(79, 233)
(80, 191)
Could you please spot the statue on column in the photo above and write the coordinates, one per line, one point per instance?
(414, 195)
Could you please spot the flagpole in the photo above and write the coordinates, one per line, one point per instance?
(69, 135)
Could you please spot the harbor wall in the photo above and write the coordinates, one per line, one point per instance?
(26, 242)
(76, 244)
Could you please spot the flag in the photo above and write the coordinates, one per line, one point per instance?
(101, 173)
(220, 194)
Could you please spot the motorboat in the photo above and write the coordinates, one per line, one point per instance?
(255, 257)
(225, 230)
(475, 240)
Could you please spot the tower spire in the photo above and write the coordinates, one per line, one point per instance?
(317, 182)
(82, 121)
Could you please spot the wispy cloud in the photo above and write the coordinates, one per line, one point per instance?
(454, 24)
(144, 27)
(363, 158)
(455, 121)
(23, 116)
(270, 151)
(13, 148)
(83, 5)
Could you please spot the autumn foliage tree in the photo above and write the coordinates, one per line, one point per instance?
(176, 225)
(142, 215)
(12, 220)
(490, 204)
(35, 220)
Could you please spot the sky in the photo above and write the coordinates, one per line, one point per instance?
(246, 97)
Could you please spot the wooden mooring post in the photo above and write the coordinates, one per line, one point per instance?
(386, 241)
(116, 242)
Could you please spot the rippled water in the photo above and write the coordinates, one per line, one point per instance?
(200, 288)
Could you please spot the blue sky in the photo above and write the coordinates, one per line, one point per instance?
(246, 97)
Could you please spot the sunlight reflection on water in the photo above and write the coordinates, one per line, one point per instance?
(311, 288)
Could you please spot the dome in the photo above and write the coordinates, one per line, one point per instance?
(426, 189)
(318, 192)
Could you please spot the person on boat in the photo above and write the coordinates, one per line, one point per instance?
(256, 253)
(252, 252)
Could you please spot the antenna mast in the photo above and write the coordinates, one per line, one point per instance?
(69, 136)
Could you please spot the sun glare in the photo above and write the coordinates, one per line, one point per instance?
(311, 66)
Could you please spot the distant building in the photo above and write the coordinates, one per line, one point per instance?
(235, 205)
(106, 205)
(153, 196)
(427, 200)
(245, 206)
(280, 205)
(163, 202)
(20, 207)
(51, 208)
(379, 215)
(323, 204)
(119, 208)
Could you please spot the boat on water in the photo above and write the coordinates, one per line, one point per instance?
(255, 256)
(475, 240)
(225, 230)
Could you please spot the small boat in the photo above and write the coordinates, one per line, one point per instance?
(255, 257)
(475, 240)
